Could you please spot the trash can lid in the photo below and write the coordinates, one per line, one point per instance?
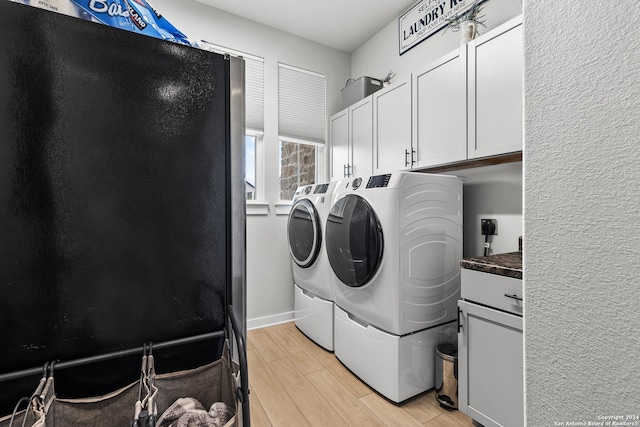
(447, 349)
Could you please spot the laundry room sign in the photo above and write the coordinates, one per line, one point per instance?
(427, 17)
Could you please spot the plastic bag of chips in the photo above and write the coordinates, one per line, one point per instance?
(146, 20)
(132, 15)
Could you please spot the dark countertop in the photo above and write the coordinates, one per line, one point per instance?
(509, 264)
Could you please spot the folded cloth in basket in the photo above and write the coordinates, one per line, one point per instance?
(188, 412)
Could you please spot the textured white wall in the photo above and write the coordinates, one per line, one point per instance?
(582, 210)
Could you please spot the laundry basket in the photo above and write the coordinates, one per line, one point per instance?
(358, 89)
(214, 383)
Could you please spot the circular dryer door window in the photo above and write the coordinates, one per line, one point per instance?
(353, 240)
(305, 233)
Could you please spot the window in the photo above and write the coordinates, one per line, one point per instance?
(301, 127)
(254, 118)
(297, 166)
(250, 167)
(254, 175)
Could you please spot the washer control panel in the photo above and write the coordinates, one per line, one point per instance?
(378, 181)
(321, 189)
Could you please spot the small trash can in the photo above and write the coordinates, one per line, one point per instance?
(447, 375)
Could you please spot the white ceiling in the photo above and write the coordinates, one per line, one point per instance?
(341, 24)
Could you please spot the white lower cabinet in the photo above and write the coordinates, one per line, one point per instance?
(490, 366)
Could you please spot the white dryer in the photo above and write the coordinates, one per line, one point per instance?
(313, 300)
(394, 244)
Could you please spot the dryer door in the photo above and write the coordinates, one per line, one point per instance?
(354, 240)
(305, 233)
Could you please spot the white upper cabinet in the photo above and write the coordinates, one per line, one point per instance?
(361, 137)
(463, 106)
(351, 135)
(440, 110)
(495, 95)
(339, 137)
(392, 149)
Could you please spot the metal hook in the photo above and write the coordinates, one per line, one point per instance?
(43, 379)
(151, 368)
(143, 371)
(30, 399)
(41, 397)
(151, 378)
(52, 368)
(45, 370)
(36, 401)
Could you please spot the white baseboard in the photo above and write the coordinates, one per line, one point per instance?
(276, 319)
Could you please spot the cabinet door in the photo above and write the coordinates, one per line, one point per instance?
(339, 137)
(361, 137)
(440, 110)
(392, 127)
(490, 366)
(496, 62)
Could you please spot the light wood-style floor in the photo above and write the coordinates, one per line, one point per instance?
(294, 382)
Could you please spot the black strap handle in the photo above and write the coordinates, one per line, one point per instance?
(243, 392)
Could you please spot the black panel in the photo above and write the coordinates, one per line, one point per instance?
(304, 233)
(354, 240)
(112, 189)
(321, 188)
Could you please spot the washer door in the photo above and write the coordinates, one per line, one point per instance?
(354, 240)
(305, 233)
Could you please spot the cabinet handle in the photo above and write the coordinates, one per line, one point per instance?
(459, 325)
(349, 173)
(413, 161)
(344, 171)
(514, 296)
(406, 158)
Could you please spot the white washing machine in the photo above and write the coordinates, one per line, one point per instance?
(313, 300)
(394, 244)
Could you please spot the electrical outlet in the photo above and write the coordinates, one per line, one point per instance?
(488, 227)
